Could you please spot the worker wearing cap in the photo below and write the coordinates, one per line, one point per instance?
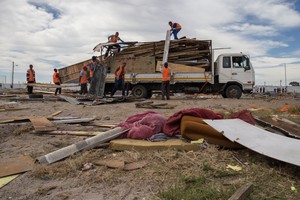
(119, 79)
(165, 85)
(175, 28)
(30, 78)
(113, 38)
(56, 81)
(83, 80)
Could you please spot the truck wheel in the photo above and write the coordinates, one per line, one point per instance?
(233, 91)
(139, 91)
(223, 95)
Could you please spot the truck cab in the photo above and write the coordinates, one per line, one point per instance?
(235, 73)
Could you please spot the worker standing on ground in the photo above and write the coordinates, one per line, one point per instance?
(83, 80)
(30, 78)
(57, 81)
(119, 80)
(113, 38)
(175, 28)
(165, 85)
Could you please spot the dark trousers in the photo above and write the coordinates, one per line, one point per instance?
(30, 88)
(111, 47)
(119, 85)
(83, 88)
(175, 32)
(57, 89)
(165, 90)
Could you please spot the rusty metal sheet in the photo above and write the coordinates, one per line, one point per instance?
(41, 124)
(15, 165)
(272, 145)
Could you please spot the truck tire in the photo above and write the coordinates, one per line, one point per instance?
(233, 91)
(139, 91)
(224, 94)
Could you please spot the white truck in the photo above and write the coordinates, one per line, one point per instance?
(192, 63)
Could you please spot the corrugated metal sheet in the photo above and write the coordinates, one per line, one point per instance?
(275, 146)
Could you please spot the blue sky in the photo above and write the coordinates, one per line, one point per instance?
(53, 33)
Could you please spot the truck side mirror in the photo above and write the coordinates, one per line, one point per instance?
(246, 68)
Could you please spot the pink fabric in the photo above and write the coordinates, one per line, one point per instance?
(244, 115)
(143, 125)
(172, 125)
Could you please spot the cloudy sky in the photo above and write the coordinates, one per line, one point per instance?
(55, 33)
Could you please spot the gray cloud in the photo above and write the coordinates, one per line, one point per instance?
(51, 33)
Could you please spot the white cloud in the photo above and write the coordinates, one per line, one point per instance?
(32, 33)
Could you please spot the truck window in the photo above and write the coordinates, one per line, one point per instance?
(240, 62)
(226, 62)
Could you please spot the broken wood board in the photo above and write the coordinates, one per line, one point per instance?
(43, 85)
(135, 165)
(243, 192)
(104, 125)
(42, 124)
(111, 163)
(133, 64)
(269, 144)
(181, 68)
(17, 165)
(73, 121)
(54, 114)
(151, 105)
(132, 144)
(86, 144)
(5, 180)
(71, 100)
(12, 109)
(75, 133)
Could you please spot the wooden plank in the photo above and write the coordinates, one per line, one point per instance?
(54, 114)
(43, 85)
(5, 180)
(181, 68)
(243, 192)
(42, 124)
(75, 133)
(17, 165)
(71, 100)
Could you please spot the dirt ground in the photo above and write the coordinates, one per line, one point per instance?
(164, 169)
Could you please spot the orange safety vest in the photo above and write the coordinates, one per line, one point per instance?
(166, 75)
(30, 75)
(114, 39)
(56, 77)
(91, 72)
(120, 73)
(178, 26)
(83, 79)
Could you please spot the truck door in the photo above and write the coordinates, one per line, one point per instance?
(225, 70)
(241, 70)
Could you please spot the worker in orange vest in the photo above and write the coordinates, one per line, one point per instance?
(113, 38)
(30, 78)
(119, 80)
(56, 81)
(83, 80)
(165, 85)
(175, 28)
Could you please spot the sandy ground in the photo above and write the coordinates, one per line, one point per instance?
(66, 180)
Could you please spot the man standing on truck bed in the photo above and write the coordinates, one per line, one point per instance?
(165, 85)
(175, 28)
(113, 38)
(119, 80)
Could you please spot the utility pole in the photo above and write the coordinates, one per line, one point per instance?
(285, 77)
(12, 75)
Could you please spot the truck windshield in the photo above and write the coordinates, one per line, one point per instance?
(240, 62)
